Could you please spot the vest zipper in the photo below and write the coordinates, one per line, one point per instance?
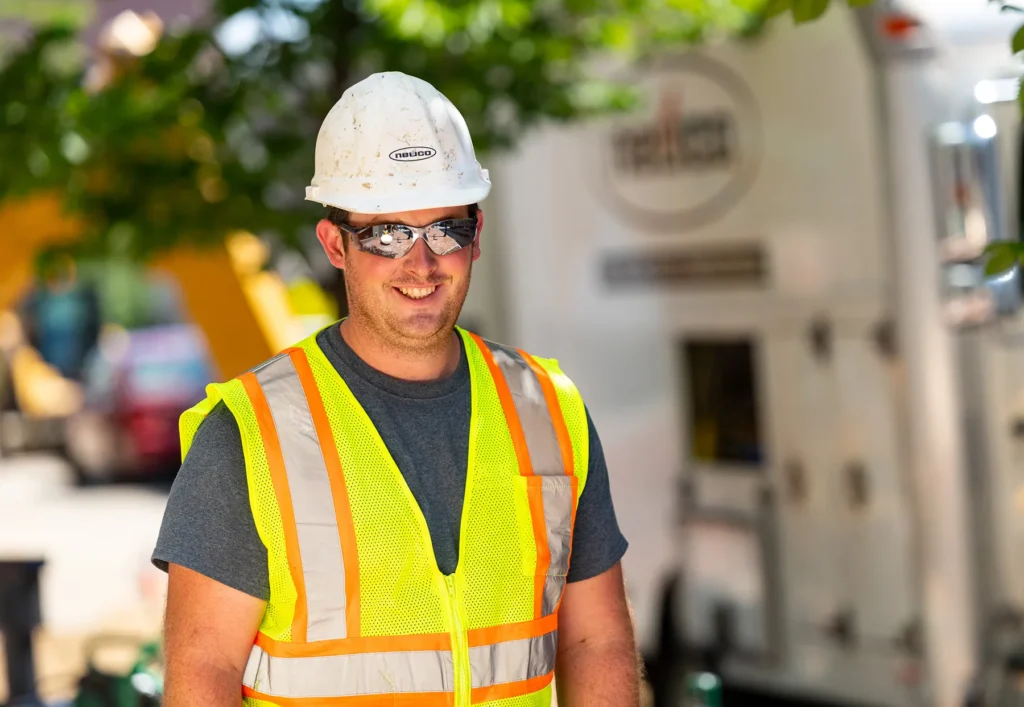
(460, 645)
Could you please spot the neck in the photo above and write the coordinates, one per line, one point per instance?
(429, 363)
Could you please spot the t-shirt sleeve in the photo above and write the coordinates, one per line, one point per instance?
(597, 542)
(208, 524)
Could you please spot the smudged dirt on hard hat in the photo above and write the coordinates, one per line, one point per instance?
(341, 160)
(367, 185)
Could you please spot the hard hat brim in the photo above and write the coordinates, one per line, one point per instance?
(407, 200)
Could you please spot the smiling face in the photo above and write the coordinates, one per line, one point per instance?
(409, 303)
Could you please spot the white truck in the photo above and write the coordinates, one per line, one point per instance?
(768, 284)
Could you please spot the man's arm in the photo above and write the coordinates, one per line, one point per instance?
(597, 662)
(208, 633)
(218, 582)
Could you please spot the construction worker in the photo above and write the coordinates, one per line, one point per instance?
(385, 514)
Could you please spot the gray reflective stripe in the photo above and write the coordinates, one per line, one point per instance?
(513, 661)
(323, 566)
(557, 494)
(546, 458)
(539, 430)
(349, 675)
(268, 362)
(553, 586)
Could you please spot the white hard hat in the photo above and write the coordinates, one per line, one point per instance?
(395, 143)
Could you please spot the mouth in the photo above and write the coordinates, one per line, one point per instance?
(417, 293)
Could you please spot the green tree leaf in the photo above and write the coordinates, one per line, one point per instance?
(1002, 257)
(1018, 40)
(773, 8)
(808, 10)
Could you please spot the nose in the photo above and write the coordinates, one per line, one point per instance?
(420, 261)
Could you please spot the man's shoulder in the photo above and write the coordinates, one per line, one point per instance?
(547, 361)
(218, 425)
(317, 341)
(553, 366)
(550, 364)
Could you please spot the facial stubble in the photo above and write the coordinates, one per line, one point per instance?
(387, 327)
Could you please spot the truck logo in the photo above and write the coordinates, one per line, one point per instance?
(676, 142)
(692, 155)
(413, 154)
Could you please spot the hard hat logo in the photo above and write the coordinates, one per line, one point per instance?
(412, 154)
(372, 119)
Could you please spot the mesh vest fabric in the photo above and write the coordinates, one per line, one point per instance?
(401, 593)
(280, 610)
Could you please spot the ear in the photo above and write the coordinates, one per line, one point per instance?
(479, 228)
(330, 237)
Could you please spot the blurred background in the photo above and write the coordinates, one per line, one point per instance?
(776, 243)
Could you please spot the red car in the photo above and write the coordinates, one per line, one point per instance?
(137, 386)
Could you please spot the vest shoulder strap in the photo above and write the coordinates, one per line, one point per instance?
(574, 413)
(188, 423)
(227, 392)
(543, 396)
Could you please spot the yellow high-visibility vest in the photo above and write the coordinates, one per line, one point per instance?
(359, 613)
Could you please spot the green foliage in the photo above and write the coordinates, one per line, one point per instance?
(807, 10)
(34, 90)
(1002, 256)
(1018, 40)
(193, 141)
(804, 11)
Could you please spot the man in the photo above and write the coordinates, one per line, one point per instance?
(62, 317)
(384, 514)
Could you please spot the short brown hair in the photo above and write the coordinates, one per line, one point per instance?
(337, 216)
(340, 216)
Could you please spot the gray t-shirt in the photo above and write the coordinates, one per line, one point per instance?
(208, 524)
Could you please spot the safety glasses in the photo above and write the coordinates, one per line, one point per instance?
(395, 240)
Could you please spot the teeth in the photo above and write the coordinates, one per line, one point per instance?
(417, 292)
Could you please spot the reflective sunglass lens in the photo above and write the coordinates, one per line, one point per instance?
(394, 240)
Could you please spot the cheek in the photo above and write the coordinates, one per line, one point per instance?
(458, 263)
(370, 270)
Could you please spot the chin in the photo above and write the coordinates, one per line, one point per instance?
(422, 326)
